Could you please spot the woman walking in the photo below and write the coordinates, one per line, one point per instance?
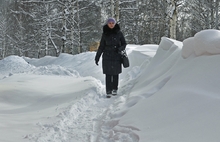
(111, 45)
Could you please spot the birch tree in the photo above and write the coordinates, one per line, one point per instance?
(117, 10)
(4, 27)
(112, 8)
(65, 12)
(172, 12)
(217, 14)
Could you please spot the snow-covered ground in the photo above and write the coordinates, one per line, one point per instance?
(170, 93)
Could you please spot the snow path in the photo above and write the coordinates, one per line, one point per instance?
(93, 118)
(87, 120)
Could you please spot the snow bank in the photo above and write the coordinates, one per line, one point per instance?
(173, 99)
(206, 42)
(17, 65)
(54, 70)
(82, 63)
(12, 65)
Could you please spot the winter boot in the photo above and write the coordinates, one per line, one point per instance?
(108, 94)
(114, 92)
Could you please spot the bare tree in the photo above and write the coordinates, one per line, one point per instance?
(217, 14)
(4, 27)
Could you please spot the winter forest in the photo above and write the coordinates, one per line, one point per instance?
(37, 28)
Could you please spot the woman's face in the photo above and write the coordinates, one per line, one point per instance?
(111, 25)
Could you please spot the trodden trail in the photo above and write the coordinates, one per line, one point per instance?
(93, 118)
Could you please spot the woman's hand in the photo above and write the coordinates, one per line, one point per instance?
(97, 62)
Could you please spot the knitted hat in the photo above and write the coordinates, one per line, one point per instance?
(111, 20)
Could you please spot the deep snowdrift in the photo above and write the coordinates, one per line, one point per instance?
(205, 42)
(172, 97)
(176, 99)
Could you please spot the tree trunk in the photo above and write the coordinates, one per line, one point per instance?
(212, 14)
(47, 31)
(173, 20)
(79, 30)
(167, 20)
(72, 26)
(112, 8)
(3, 32)
(117, 10)
(63, 49)
(216, 14)
(3, 47)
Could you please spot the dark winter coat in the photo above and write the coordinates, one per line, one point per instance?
(112, 42)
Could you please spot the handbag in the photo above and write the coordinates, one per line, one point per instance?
(125, 60)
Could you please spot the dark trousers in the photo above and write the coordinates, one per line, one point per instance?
(111, 82)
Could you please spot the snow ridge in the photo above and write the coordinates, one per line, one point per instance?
(54, 70)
